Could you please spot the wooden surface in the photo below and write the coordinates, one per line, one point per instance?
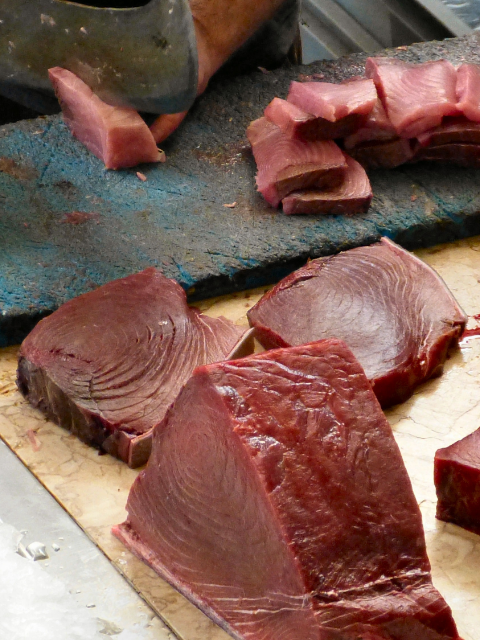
(67, 225)
(94, 488)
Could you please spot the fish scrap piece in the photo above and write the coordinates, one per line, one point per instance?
(116, 135)
(286, 164)
(107, 364)
(353, 195)
(395, 313)
(277, 501)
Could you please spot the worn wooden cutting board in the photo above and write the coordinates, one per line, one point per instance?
(67, 225)
(94, 488)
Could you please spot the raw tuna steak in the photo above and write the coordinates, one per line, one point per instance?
(457, 481)
(285, 164)
(415, 97)
(108, 364)
(116, 135)
(276, 499)
(352, 196)
(393, 311)
(468, 91)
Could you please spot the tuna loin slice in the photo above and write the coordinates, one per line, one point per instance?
(296, 123)
(285, 164)
(416, 97)
(352, 196)
(377, 126)
(340, 109)
(393, 311)
(116, 135)
(386, 154)
(468, 91)
(451, 131)
(457, 479)
(108, 364)
(276, 499)
(464, 155)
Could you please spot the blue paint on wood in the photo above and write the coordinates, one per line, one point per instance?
(177, 220)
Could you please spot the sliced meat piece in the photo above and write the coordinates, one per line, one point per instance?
(386, 154)
(457, 481)
(293, 121)
(285, 164)
(276, 499)
(352, 196)
(452, 130)
(340, 109)
(463, 155)
(334, 101)
(116, 135)
(108, 364)
(468, 91)
(377, 126)
(393, 311)
(416, 96)
(296, 123)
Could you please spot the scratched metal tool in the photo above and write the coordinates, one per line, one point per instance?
(142, 57)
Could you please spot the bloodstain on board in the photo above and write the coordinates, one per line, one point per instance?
(80, 217)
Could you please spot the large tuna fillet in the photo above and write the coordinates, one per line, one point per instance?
(276, 499)
(116, 135)
(457, 481)
(353, 195)
(108, 364)
(416, 96)
(468, 91)
(285, 164)
(393, 311)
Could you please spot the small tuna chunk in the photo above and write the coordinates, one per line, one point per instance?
(468, 91)
(457, 481)
(386, 154)
(452, 130)
(353, 195)
(116, 135)
(377, 126)
(392, 309)
(334, 101)
(286, 164)
(416, 96)
(296, 123)
(461, 154)
(108, 364)
(276, 499)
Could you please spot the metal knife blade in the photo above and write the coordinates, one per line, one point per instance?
(142, 57)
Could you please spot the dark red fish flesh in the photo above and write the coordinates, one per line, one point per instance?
(393, 310)
(108, 364)
(276, 500)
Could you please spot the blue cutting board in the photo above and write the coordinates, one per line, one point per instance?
(67, 225)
